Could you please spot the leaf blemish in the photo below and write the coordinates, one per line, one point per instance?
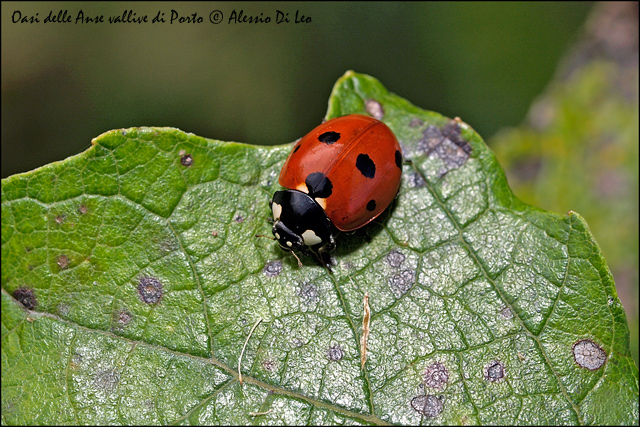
(374, 108)
(395, 258)
(186, 160)
(400, 283)
(494, 371)
(63, 262)
(308, 293)
(106, 380)
(60, 219)
(428, 405)
(273, 268)
(447, 144)
(83, 209)
(123, 317)
(415, 122)
(335, 353)
(26, 297)
(436, 376)
(150, 290)
(588, 354)
(416, 180)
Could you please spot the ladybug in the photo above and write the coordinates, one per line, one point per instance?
(342, 174)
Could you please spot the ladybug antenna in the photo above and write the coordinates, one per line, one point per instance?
(268, 237)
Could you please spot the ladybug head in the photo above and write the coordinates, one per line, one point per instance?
(300, 223)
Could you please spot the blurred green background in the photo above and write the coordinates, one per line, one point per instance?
(268, 83)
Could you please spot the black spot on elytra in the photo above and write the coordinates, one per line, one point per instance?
(319, 185)
(371, 206)
(150, 290)
(588, 355)
(273, 268)
(365, 165)
(329, 137)
(428, 405)
(335, 353)
(26, 297)
(494, 371)
(297, 148)
(399, 159)
(436, 376)
(186, 160)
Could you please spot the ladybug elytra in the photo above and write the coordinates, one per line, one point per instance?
(342, 174)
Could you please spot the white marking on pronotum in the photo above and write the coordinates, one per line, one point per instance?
(289, 244)
(366, 318)
(310, 238)
(277, 211)
(245, 346)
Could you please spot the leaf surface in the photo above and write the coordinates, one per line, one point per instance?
(131, 281)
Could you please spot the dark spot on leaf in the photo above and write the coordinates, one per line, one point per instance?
(507, 313)
(60, 219)
(124, 133)
(447, 144)
(28, 248)
(371, 206)
(150, 290)
(494, 371)
(269, 365)
(239, 219)
(308, 293)
(63, 262)
(186, 160)
(214, 233)
(83, 209)
(415, 180)
(297, 148)
(26, 297)
(273, 268)
(329, 137)
(400, 283)
(399, 159)
(395, 258)
(106, 380)
(335, 353)
(365, 165)
(589, 355)
(436, 376)
(319, 185)
(374, 108)
(415, 122)
(122, 317)
(428, 405)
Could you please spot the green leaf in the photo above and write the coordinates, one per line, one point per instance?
(131, 281)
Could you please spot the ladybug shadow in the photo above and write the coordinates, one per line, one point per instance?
(352, 241)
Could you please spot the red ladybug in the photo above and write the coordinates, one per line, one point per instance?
(342, 174)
